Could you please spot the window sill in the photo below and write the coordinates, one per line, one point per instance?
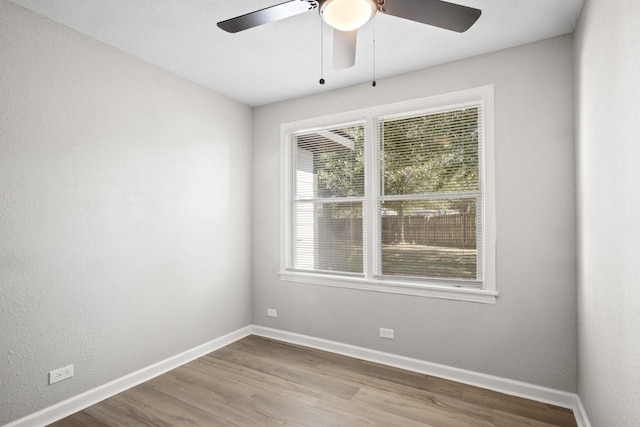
(421, 290)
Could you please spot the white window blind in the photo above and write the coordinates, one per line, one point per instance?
(327, 204)
(430, 199)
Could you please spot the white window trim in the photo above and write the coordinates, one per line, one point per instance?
(446, 289)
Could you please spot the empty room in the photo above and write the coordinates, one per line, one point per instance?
(319, 213)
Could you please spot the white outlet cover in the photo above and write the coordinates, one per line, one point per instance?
(60, 374)
(386, 333)
(272, 312)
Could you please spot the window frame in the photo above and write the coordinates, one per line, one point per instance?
(436, 288)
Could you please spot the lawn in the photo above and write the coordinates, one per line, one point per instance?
(404, 260)
(428, 261)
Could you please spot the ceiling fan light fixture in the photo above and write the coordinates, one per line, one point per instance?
(347, 15)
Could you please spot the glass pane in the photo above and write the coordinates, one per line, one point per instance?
(329, 163)
(328, 237)
(430, 238)
(434, 153)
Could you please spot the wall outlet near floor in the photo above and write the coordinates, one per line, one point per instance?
(60, 374)
(386, 333)
(272, 312)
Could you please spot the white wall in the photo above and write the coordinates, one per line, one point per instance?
(608, 134)
(124, 213)
(530, 334)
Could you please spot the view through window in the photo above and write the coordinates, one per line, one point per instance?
(393, 197)
(430, 194)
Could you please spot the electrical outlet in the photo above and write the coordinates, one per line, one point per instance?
(272, 312)
(60, 374)
(386, 333)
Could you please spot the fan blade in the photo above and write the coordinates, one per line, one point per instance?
(438, 13)
(266, 15)
(344, 48)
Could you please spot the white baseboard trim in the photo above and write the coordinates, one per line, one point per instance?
(81, 401)
(581, 414)
(503, 385)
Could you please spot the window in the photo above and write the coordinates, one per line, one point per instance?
(397, 198)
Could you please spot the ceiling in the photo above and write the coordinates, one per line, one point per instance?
(282, 60)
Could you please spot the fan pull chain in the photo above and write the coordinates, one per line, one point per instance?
(321, 52)
(373, 82)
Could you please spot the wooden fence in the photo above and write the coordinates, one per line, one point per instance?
(453, 231)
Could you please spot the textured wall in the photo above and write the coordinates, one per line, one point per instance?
(530, 334)
(608, 109)
(124, 213)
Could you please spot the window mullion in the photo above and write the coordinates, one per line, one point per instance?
(433, 196)
(371, 235)
(330, 200)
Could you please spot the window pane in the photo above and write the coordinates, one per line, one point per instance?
(433, 153)
(430, 238)
(329, 163)
(328, 237)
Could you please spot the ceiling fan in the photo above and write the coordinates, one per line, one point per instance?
(346, 16)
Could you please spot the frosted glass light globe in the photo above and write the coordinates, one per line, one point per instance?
(348, 15)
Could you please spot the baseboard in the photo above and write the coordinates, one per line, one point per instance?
(81, 401)
(503, 385)
(581, 414)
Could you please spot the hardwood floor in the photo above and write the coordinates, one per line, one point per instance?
(261, 382)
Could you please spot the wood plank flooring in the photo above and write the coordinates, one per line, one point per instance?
(262, 382)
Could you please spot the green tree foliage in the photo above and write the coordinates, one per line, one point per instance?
(423, 154)
(436, 153)
(341, 171)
